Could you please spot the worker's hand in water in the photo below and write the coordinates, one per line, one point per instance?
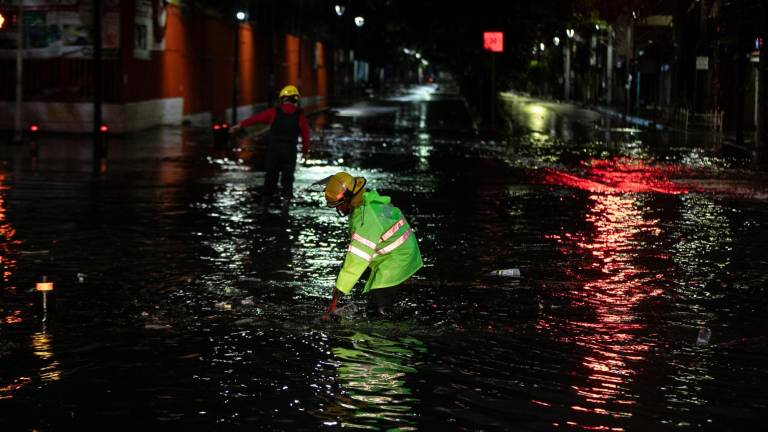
(332, 306)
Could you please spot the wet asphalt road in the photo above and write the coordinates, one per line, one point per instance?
(178, 304)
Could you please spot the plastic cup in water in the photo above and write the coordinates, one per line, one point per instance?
(510, 272)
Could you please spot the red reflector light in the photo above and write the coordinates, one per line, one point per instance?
(216, 127)
(34, 128)
(104, 128)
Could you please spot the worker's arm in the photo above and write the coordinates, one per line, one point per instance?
(267, 116)
(332, 306)
(304, 131)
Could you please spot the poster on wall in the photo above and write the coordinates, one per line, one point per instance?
(59, 28)
(149, 28)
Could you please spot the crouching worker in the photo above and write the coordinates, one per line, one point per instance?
(380, 239)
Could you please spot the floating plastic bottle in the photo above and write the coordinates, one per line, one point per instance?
(510, 272)
(703, 336)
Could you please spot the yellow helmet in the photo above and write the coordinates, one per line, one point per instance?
(342, 187)
(289, 91)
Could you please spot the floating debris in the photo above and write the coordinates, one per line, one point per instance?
(510, 272)
(703, 337)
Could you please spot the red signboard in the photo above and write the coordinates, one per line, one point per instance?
(493, 41)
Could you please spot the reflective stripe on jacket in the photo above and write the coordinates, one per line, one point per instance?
(382, 240)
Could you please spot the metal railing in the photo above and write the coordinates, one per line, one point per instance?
(686, 119)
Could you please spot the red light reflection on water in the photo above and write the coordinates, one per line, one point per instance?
(619, 176)
(7, 233)
(608, 338)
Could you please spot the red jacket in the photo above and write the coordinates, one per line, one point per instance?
(268, 116)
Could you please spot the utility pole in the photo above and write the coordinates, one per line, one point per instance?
(740, 84)
(567, 64)
(19, 73)
(609, 68)
(493, 91)
(98, 138)
(629, 66)
(235, 70)
(762, 103)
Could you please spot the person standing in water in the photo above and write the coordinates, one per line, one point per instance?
(287, 122)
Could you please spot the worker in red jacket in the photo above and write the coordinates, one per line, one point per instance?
(287, 122)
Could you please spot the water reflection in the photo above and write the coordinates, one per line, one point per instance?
(42, 348)
(703, 255)
(373, 373)
(608, 327)
(47, 369)
(7, 233)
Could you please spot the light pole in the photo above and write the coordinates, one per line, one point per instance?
(19, 71)
(567, 63)
(240, 17)
(99, 149)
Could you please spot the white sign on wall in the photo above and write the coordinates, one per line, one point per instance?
(702, 63)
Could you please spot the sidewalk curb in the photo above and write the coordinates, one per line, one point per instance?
(639, 121)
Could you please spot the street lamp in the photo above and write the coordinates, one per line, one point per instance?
(556, 41)
(340, 9)
(359, 21)
(240, 15)
(570, 33)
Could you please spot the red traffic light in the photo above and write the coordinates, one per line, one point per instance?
(493, 41)
(216, 127)
(34, 128)
(104, 128)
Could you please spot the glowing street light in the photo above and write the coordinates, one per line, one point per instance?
(359, 21)
(570, 33)
(556, 41)
(340, 9)
(240, 15)
(542, 46)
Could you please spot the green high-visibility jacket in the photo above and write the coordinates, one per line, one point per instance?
(382, 240)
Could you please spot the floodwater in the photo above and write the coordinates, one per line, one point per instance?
(178, 304)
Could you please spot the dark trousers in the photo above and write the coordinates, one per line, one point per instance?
(280, 161)
(380, 301)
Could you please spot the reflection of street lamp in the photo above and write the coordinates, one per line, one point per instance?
(359, 21)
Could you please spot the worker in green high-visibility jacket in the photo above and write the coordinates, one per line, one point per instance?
(381, 239)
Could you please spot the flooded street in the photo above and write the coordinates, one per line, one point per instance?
(641, 303)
